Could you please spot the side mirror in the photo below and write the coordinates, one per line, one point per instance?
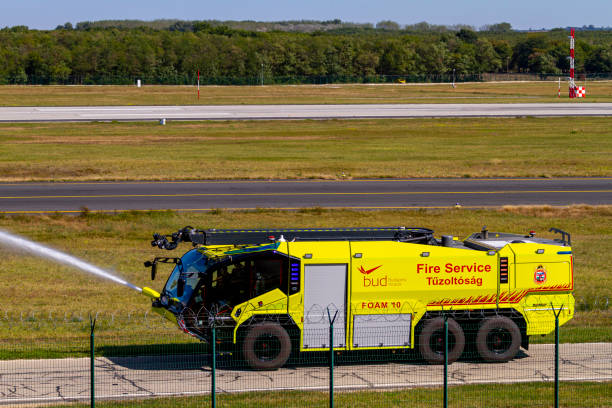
(180, 288)
(153, 270)
(153, 266)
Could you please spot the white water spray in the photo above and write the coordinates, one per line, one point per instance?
(42, 251)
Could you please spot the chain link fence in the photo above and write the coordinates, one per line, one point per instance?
(453, 358)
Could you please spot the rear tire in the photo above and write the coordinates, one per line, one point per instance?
(498, 339)
(266, 346)
(431, 341)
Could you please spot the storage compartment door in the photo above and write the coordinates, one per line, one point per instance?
(382, 330)
(324, 288)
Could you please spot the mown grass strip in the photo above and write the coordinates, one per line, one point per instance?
(331, 149)
(483, 92)
(531, 395)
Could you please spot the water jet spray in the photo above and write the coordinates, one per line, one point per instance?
(16, 242)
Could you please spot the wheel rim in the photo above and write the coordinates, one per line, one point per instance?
(436, 342)
(267, 347)
(499, 340)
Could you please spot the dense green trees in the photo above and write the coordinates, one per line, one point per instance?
(224, 54)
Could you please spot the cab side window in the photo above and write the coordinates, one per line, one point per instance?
(249, 277)
(269, 274)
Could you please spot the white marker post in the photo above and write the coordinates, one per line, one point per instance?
(572, 84)
(198, 85)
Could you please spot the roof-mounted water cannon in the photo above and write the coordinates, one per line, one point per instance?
(187, 234)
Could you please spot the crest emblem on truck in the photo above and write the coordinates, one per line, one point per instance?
(539, 276)
(367, 271)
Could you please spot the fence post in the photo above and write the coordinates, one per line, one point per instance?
(92, 393)
(445, 361)
(213, 374)
(331, 357)
(557, 313)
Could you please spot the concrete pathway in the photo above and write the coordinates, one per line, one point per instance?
(50, 381)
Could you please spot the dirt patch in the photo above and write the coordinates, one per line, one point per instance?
(550, 211)
(47, 172)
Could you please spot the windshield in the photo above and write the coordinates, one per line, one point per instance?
(193, 264)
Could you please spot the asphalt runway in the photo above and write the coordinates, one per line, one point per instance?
(242, 112)
(62, 380)
(286, 194)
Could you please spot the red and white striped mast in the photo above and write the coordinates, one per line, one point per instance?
(572, 84)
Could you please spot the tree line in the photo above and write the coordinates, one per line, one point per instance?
(174, 54)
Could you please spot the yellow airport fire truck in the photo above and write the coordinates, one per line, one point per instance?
(270, 293)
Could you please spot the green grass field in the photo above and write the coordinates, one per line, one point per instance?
(43, 292)
(533, 395)
(483, 92)
(329, 149)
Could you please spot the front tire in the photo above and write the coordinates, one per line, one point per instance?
(498, 339)
(266, 346)
(431, 341)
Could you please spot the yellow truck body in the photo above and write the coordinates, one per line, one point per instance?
(384, 293)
